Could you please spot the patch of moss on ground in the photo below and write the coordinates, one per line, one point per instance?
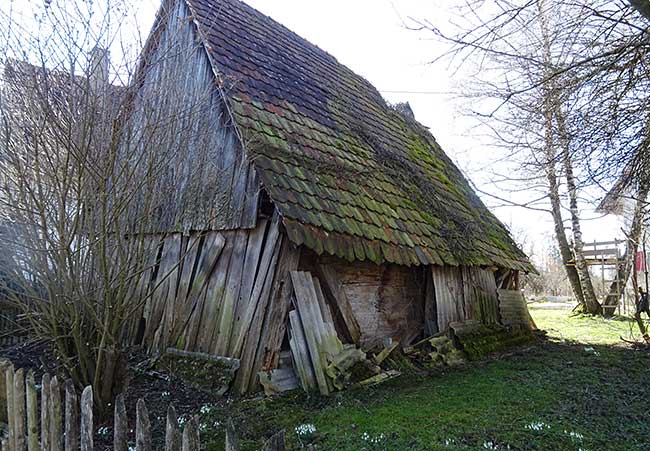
(555, 385)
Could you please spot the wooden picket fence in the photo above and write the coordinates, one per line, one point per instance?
(66, 422)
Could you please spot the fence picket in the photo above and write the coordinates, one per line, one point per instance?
(232, 440)
(19, 410)
(87, 419)
(120, 425)
(172, 431)
(45, 409)
(32, 413)
(190, 441)
(142, 427)
(275, 443)
(56, 417)
(71, 417)
(9, 384)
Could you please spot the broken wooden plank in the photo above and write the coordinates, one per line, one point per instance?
(378, 379)
(278, 381)
(332, 287)
(300, 353)
(379, 358)
(312, 322)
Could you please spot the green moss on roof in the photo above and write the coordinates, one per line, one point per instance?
(350, 175)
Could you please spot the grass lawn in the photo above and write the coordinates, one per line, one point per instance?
(582, 389)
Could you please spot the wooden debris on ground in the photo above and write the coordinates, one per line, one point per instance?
(477, 339)
(278, 380)
(434, 352)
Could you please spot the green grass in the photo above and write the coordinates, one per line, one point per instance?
(556, 386)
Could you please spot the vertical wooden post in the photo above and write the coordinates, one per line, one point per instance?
(87, 419)
(71, 417)
(190, 441)
(232, 440)
(56, 416)
(120, 425)
(11, 423)
(275, 443)
(45, 411)
(142, 427)
(32, 413)
(19, 410)
(172, 431)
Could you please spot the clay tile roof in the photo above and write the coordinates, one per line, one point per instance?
(350, 175)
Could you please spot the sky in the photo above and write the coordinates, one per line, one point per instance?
(371, 37)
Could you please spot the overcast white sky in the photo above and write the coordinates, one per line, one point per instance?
(369, 37)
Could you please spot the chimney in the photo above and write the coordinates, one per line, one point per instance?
(98, 68)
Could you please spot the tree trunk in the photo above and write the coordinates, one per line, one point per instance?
(591, 304)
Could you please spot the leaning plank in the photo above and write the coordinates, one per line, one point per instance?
(45, 412)
(163, 334)
(221, 344)
(212, 248)
(278, 381)
(172, 431)
(142, 427)
(120, 425)
(214, 296)
(311, 319)
(260, 272)
(56, 416)
(332, 287)
(32, 413)
(86, 433)
(329, 339)
(72, 417)
(19, 409)
(300, 353)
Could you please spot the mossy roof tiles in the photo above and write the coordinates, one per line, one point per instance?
(350, 175)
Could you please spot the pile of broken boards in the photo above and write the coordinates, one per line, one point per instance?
(318, 360)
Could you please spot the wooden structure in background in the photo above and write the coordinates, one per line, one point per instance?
(308, 218)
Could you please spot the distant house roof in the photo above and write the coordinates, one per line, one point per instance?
(350, 175)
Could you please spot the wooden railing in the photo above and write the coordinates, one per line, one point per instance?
(66, 420)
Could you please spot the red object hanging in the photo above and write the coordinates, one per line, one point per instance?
(639, 262)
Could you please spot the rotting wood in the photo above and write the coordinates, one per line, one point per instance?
(19, 409)
(311, 319)
(301, 358)
(120, 425)
(379, 358)
(56, 416)
(87, 425)
(169, 289)
(45, 409)
(72, 418)
(278, 381)
(378, 379)
(228, 305)
(264, 277)
(190, 436)
(142, 427)
(331, 284)
(273, 316)
(262, 294)
(212, 249)
(173, 436)
(32, 413)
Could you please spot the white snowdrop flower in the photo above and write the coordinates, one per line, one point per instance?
(537, 426)
(305, 430)
(490, 446)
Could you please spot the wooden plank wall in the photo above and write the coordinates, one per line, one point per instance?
(448, 289)
(204, 181)
(387, 300)
(480, 295)
(513, 308)
(210, 292)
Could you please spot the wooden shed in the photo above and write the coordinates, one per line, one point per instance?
(317, 209)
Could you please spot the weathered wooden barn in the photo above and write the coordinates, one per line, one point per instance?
(316, 208)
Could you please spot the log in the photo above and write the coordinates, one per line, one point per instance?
(120, 425)
(32, 413)
(173, 438)
(19, 410)
(142, 427)
(56, 416)
(275, 443)
(45, 410)
(86, 432)
(71, 417)
(232, 440)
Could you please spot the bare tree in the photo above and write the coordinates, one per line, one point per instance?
(85, 188)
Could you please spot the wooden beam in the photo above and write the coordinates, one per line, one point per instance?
(332, 288)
